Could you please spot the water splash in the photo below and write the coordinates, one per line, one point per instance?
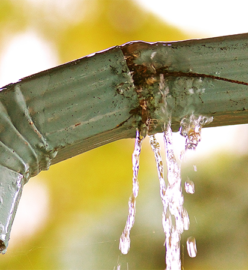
(175, 218)
(191, 247)
(124, 244)
(189, 186)
(190, 128)
(172, 197)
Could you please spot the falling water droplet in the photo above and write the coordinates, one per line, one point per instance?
(186, 221)
(190, 128)
(189, 187)
(124, 245)
(195, 168)
(191, 247)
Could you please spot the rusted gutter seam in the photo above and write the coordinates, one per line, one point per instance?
(59, 113)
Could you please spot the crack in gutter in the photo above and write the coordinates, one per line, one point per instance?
(122, 123)
(200, 75)
(146, 81)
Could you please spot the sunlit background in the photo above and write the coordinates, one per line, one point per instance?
(71, 217)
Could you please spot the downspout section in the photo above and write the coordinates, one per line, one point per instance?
(59, 113)
(11, 185)
(56, 114)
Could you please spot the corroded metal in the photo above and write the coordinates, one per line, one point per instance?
(207, 76)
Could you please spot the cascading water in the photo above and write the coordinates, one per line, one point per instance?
(124, 245)
(174, 198)
(175, 218)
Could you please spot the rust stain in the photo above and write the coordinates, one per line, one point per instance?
(145, 75)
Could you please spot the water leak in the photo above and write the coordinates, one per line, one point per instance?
(174, 198)
(189, 186)
(190, 128)
(175, 218)
(191, 247)
(160, 169)
(124, 244)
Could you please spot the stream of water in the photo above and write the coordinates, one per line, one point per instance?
(175, 218)
(124, 244)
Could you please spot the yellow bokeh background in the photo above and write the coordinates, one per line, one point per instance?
(88, 194)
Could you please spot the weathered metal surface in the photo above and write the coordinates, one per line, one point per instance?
(10, 193)
(207, 76)
(63, 111)
(60, 108)
(59, 113)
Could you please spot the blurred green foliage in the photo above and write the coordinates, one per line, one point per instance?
(89, 193)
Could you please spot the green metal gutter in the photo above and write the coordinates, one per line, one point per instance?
(67, 110)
